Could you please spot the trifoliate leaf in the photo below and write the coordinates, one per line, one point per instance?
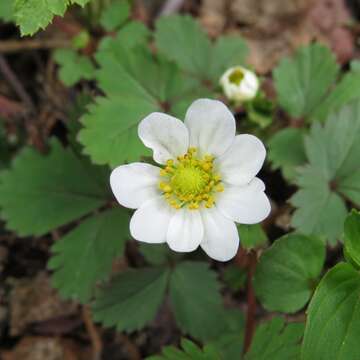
(131, 35)
(7, 10)
(143, 84)
(346, 90)
(32, 15)
(275, 340)
(286, 272)
(252, 235)
(115, 14)
(42, 192)
(226, 52)
(196, 301)
(333, 318)
(333, 153)
(73, 66)
(132, 299)
(188, 351)
(230, 343)
(302, 82)
(181, 39)
(287, 152)
(158, 254)
(352, 237)
(84, 256)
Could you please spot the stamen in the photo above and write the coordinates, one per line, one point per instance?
(190, 182)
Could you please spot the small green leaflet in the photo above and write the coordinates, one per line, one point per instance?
(42, 192)
(189, 351)
(84, 256)
(115, 14)
(132, 299)
(331, 175)
(144, 84)
(333, 321)
(352, 237)
(303, 82)
(275, 340)
(196, 301)
(234, 277)
(286, 272)
(181, 39)
(73, 66)
(252, 236)
(287, 152)
(32, 15)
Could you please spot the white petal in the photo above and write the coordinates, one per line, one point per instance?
(167, 136)
(151, 221)
(245, 204)
(211, 125)
(221, 238)
(185, 231)
(242, 161)
(134, 184)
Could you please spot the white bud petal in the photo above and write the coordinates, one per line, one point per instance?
(239, 84)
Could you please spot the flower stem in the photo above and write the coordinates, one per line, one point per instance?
(251, 302)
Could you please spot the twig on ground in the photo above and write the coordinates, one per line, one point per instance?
(95, 338)
(171, 7)
(11, 46)
(10, 108)
(251, 302)
(15, 83)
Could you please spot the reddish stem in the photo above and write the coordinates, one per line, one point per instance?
(251, 302)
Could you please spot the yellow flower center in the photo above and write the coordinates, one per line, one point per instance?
(190, 181)
(236, 76)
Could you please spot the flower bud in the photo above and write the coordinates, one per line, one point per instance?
(239, 84)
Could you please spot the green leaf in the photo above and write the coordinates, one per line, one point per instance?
(230, 343)
(181, 39)
(189, 351)
(352, 237)
(275, 340)
(196, 300)
(144, 84)
(332, 174)
(42, 192)
(7, 10)
(287, 271)
(73, 67)
(32, 15)
(229, 50)
(345, 91)
(132, 299)
(333, 321)
(115, 14)
(302, 82)
(252, 236)
(84, 256)
(131, 35)
(287, 152)
(158, 254)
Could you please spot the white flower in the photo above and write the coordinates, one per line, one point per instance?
(205, 182)
(239, 84)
